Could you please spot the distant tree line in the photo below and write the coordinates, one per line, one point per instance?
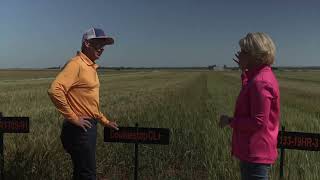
(55, 67)
(148, 68)
(210, 67)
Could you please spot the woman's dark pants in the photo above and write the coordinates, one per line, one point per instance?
(254, 171)
(81, 146)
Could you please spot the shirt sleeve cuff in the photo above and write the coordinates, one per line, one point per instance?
(104, 120)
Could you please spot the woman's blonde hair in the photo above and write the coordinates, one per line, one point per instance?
(260, 46)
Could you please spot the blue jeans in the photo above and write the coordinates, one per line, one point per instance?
(254, 171)
(81, 146)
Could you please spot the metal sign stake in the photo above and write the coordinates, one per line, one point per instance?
(137, 135)
(136, 145)
(281, 155)
(1, 151)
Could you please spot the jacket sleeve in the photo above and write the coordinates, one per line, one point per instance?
(65, 80)
(261, 95)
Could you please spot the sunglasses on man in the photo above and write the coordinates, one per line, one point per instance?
(97, 47)
(96, 44)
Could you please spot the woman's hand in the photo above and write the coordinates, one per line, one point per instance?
(242, 60)
(224, 121)
(236, 60)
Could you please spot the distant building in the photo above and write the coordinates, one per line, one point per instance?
(215, 68)
(211, 67)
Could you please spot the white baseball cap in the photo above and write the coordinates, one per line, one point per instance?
(96, 33)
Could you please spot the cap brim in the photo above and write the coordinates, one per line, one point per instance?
(107, 40)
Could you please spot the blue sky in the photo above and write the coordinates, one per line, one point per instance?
(45, 33)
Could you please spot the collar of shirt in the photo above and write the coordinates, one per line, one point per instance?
(253, 72)
(87, 60)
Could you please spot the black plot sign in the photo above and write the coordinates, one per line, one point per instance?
(14, 124)
(299, 141)
(10, 125)
(137, 135)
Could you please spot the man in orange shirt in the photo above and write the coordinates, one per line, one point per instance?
(75, 93)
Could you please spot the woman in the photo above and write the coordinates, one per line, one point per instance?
(255, 122)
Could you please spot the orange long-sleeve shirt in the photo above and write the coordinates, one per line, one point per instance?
(75, 91)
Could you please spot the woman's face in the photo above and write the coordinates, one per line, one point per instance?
(246, 61)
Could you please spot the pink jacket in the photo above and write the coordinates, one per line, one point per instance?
(256, 118)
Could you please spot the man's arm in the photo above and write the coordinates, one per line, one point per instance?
(67, 78)
(102, 118)
(107, 123)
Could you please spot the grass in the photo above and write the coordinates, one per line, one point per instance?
(187, 102)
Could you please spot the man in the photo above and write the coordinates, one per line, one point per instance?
(75, 93)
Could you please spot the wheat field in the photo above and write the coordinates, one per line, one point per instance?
(187, 102)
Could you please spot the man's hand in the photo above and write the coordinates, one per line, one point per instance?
(112, 125)
(224, 121)
(83, 123)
